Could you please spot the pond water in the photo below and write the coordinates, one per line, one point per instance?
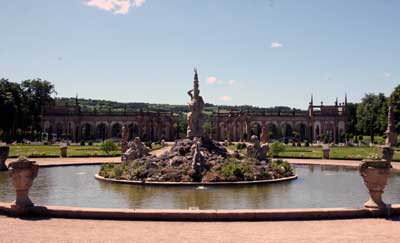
(317, 186)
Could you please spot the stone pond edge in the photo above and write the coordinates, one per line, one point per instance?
(199, 215)
(155, 183)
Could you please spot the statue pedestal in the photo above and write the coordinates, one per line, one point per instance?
(63, 150)
(326, 151)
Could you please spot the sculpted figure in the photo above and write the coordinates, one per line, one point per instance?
(124, 140)
(256, 150)
(196, 106)
(198, 157)
(264, 135)
(136, 149)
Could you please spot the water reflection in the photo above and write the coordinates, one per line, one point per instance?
(317, 186)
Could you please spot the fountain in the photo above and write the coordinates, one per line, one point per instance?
(198, 158)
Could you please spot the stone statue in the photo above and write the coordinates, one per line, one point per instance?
(124, 140)
(256, 150)
(264, 135)
(391, 133)
(198, 157)
(196, 106)
(136, 149)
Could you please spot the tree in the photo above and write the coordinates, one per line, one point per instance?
(352, 118)
(13, 109)
(395, 102)
(39, 93)
(371, 118)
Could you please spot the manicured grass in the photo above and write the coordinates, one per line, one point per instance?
(336, 152)
(355, 153)
(54, 151)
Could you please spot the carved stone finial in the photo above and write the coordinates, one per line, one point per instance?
(391, 133)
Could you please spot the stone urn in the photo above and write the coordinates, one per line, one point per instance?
(375, 174)
(23, 172)
(63, 150)
(326, 151)
(4, 151)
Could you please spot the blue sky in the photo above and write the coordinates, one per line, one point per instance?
(257, 52)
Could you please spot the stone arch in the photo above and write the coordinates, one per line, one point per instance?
(273, 132)
(301, 129)
(341, 128)
(70, 129)
(116, 130)
(255, 128)
(317, 130)
(59, 130)
(86, 131)
(133, 130)
(101, 131)
(287, 131)
(222, 131)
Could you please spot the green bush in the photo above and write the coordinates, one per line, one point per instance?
(83, 143)
(148, 144)
(282, 166)
(233, 168)
(108, 145)
(277, 148)
(240, 146)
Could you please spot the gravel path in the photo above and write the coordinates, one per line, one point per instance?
(65, 230)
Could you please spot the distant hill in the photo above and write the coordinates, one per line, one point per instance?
(106, 105)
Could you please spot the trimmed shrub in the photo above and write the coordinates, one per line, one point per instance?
(108, 145)
(277, 148)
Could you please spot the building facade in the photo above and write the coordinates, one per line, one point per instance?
(63, 122)
(309, 125)
(71, 123)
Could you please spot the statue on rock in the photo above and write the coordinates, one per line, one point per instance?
(256, 150)
(199, 161)
(196, 106)
(124, 139)
(136, 150)
(264, 135)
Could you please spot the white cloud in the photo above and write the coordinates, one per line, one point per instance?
(231, 82)
(276, 44)
(211, 80)
(225, 98)
(139, 3)
(387, 75)
(115, 6)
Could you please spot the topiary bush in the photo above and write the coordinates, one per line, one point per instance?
(277, 148)
(108, 145)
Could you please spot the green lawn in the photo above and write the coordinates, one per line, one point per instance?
(356, 153)
(54, 151)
